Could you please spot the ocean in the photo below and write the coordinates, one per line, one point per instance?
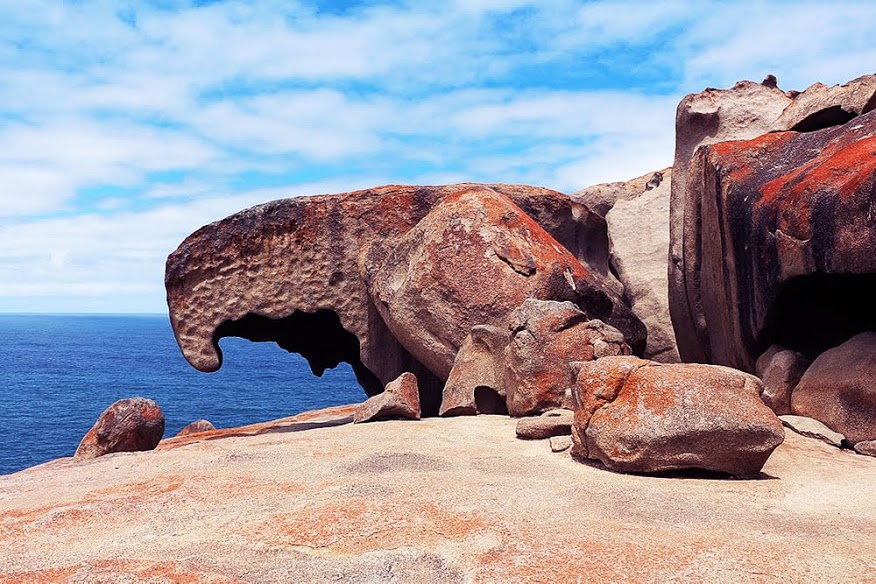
(59, 372)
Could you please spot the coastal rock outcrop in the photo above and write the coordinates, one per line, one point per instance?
(476, 384)
(640, 416)
(129, 425)
(472, 260)
(545, 337)
(400, 399)
(196, 427)
(839, 389)
(294, 272)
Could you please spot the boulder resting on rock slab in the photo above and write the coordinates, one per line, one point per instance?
(400, 399)
(545, 337)
(129, 425)
(472, 260)
(839, 389)
(551, 423)
(197, 426)
(294, 272)
(780, 370)
(644, 417)
(476, 383)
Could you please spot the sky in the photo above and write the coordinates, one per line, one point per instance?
(126, 125)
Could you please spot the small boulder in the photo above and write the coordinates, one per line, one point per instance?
(545, 337)
(640, 416)
(478, 368)
(812, 429)
(780, 370)
(560, 443)
(867, 447)
(552, 423)
(839, 389)
(129, 425)
(400, 399)
(197, 426)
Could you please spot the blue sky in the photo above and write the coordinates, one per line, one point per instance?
(126, 125)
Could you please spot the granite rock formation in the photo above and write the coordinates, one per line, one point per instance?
(129, 425)
(476, 384)
(640, 416)
(472, 260)
(294, 272)
(780, 370)
(196, 427)
(400, 399)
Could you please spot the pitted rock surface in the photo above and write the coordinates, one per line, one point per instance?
(479, 368)
(129, 425)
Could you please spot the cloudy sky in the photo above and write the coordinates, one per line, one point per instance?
(126, 125)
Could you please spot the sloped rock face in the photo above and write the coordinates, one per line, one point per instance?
(782, 250)
(294, 272)
(128, 425)
(821, 106)
(400, 399)
(839, 389)
(639, 416)
(478, 374)
(545, 337)
(472, 260)
(714, 115)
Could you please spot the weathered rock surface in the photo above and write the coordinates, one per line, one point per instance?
(782, 234)
(812, 429)
(545, 337)
(551, 423)
(360, 504)
(472, 260)
(601, 198)
(196, 427)
(128, 425)
(293, 272)
(478, 373)
(745, 111)
(867, 447)
(640, 416)
(780, 370)
(839, 389)
(561, 443)
(821, 106)
(400, 399)
(638, 232)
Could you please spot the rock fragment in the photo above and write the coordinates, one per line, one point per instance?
(197, 426)
(552, 423)
(129, 425)
(478, 369)
(400, 399)
(812, 429)
(780, 370)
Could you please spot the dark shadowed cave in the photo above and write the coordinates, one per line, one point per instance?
(816, 312)
(319, 337)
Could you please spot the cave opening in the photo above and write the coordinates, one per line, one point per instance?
(317, 336)
(826, 118)
(488, 401)
(819, 311)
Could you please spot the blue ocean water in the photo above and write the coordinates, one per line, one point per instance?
(59, 372)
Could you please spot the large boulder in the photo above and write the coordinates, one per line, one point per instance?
(129, 425)
(745, 111)
(638, 233)
(476, 384)
(640, 416)
(782, 248)
(545, 337)
(839, 389)
(400, 399)
(821, 106)
(294, 272)
(472, 260)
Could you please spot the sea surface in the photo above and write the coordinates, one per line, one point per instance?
(59, 372)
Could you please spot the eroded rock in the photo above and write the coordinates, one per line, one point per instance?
(839, 389)
(129, 425)
(478, 369)
(812, 429)
(821, 106)
(780, 370)
(545, 337)
(551, 423)
(196, 427)
(640, 416)
(472, 260)
(400, 399)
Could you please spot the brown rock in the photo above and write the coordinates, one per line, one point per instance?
(780, 370)
(812, 429)
(867, 447)
(128, 425)
(293, 272)
(821, 106)
(472, 260)
(711, 116)
(601, 198)
(640, 416)
(839, 389)
(552, 423)
(545, 337)
(781, 244)
(476, 382)
(400, 399)
(560, 443)
(196, 427)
